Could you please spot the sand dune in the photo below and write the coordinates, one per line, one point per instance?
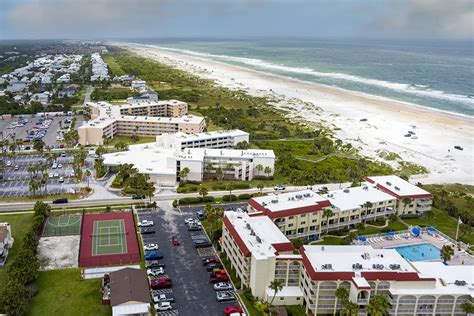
(387, 120)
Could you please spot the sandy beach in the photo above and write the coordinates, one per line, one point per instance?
(387, 121)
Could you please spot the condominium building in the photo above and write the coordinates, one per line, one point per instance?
(302, 213)
(260, 254)
(216, 139)
(411, 199)
(141, 119)
(164, 165)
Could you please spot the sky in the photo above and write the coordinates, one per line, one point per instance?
(105, 19)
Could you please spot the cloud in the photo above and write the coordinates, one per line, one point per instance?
(425, 18)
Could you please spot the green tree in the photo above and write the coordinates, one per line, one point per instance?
(121, 146)
(242, 145)
(406, 201)
(34, 186)
(26, 265)
(100, 151)
(214, 218)
(350, 309)
(468, 308)
(41, 209)
(261, 306)
(378, 305)
(38, 145)
(87, 173)
(276, 286)
(219, 173)
(342, 295)
(183, 174)
(327, 213)
(260, 186)
(267, 171)
(203, 191)
(15, 298)
(446, 253)
(259, 168)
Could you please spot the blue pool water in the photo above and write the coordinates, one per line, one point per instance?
(419, 252)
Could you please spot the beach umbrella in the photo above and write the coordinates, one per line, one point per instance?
(362, 238)
(431, 229)
(415, 231)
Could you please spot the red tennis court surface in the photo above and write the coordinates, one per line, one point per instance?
(86, 257)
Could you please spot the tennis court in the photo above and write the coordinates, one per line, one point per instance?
(109, 237)
(62, 225)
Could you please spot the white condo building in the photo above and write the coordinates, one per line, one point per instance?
(260, 254)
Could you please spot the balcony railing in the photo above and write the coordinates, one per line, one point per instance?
(362, 301)
(429, 302)
(445, 301)
(424, 202)
(407, 302)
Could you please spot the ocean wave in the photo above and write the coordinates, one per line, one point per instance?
(415, 89)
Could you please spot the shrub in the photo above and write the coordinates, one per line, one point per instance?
(240, 185)
(245, 196)
(229, 197)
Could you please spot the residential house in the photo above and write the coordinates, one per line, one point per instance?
(129, 293)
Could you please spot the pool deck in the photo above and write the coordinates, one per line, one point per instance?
(408, 239)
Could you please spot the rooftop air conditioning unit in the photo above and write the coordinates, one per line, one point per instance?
(346, 191)
(388, 183)
(357, 266)
(397, 188)
(298, 196)
(248, 226)
(274, 201)
(460, 282)
(394, 266)
(258, 239)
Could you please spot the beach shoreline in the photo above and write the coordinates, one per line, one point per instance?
(385, 124)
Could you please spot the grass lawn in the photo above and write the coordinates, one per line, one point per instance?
(441, 221)
(41, 198)
(250, 308)
(295, 310)
(369, 230)
(128, 140)
(330, 240)
(62, 292)
(20, 225)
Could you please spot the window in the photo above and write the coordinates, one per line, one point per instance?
(290, 217)
(303, 215)
(302, 223)
(290, 225)
(281, 298)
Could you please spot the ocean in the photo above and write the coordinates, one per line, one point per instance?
(438, 75)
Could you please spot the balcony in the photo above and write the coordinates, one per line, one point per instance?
(424, 208)
(362, 301)
(424, 202)
(424, 311)
(407, 302)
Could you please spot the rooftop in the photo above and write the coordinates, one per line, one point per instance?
(128, 285)
(258, 233)
(209, 135)
(398, 187)
(199, 153)
(353, 198)
(305, 200)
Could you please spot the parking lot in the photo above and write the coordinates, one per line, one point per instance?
(16, 177)
(192, 290)
(33, 124)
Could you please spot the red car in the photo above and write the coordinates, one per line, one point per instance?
(233, 309)
(219, 277)
(206, 261)
(175, 241)
(162, 283)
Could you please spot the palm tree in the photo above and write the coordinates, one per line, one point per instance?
(230, 187)
(203, 191)
(378, 305)
(350, 309)
(45, 179)
(406, 201)
(327, 213)
(276, 286)
(34, 185)
(87, 174)
(260, 186)
(214, 216)
(468, 308)
(446, 253)
(219, 173)
(367, 206)
(342, 295)
(183, 174)
(259, 168)
(267, 171)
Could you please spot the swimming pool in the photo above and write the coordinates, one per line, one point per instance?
(419, 252)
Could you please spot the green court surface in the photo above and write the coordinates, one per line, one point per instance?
(109, 237)
(62, 225)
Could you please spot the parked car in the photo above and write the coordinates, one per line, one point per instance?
(163, 306)
(60, 165)
(190, 220)
(206, 261)
(163, 283)
(154, 264)
(223, 286)
(212, 266)
(458, 148)
(145, 223)
(201, 215)
(138, 197)
(279, 187)
(194, 227)
(60, 200)
(149, 247)
(153, 255)
(155, 271)
(202, 243)
(145, 231)
(162, 298)
(216, 277)
(63, 154)
(175, 241)
(230, 310)
(225, 296)
(17, 167)
(61, 179)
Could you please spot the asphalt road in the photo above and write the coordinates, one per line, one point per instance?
(191, 289)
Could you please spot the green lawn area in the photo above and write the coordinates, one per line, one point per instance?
(330, 240)
(19, 225)
(62, 292)
(41, 198)
(369, 230)
(295, 310)
(250, 308)
(115, 68)
(441, 221)
(128, 140)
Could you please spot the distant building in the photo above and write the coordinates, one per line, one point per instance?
(17, 86)
(146, 96)
(138, 85)
(42, 98)
(66, 78)
(67, 92)
(6, 242)
(216, 140)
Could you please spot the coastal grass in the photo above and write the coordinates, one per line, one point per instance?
(443, 222)
(20, 225)
(62, 292)
(295, 310)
